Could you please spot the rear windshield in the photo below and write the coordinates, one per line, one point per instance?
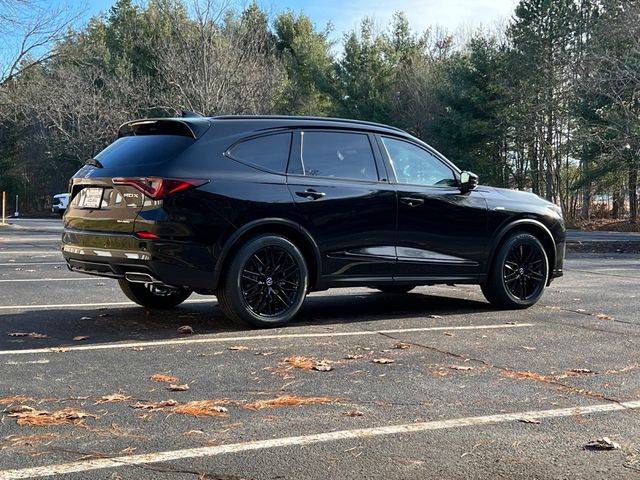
(143, 150)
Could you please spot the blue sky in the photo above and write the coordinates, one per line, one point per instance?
(346, 14)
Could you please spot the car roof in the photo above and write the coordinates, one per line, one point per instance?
(309, 121)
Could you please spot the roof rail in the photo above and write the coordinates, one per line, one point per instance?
(312, 118)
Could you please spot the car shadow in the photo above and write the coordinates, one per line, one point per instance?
(73, 327)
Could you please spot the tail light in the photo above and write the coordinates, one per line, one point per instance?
(158, 188)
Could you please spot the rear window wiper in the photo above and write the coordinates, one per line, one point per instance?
(94, 162)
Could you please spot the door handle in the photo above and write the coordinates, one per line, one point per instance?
(311, 194)
(412, 201)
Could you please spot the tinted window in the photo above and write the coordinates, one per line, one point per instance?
(143, 150)
(339, 155)
(416, 166)
(270, 152)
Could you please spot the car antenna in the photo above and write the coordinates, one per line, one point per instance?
(190, 114)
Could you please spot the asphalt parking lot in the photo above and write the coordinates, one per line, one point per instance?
(433, 384)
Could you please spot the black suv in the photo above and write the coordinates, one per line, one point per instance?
(261, 210)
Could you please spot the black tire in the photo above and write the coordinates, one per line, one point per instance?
(519, 273)
(399, 289)
(266, 282)
(154, 297)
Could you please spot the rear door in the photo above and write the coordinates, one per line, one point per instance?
(343, 197)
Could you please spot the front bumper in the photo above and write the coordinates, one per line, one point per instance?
(176, 263)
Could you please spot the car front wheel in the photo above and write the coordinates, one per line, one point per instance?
(519, 273)
(266, 282)
(153, 296)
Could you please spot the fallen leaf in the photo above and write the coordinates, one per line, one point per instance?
(178, 388)
(289, 401)
(265, 353)
(527, 348)
(86, 318)
(154, 405)
(42, 418)
(529, 420)
(401, 346)
(323, 366)
(138, 349)
(160, 377)
(510, 323)
(104, 315)
(603, 316)
(113, 398)
(460, 367)
(187, 329)
(383, 360)
(352, 413)
(449, 334)
(434, 316)
(80, 338)
(238, 348)
(59, 349)
(354, 356)
(202, 408)
(301, 362)
(99, 284)
(25, 334)
(194, 432)
(604, 443)
(580, 370)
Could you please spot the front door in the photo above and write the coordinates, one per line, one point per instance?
(442, 234)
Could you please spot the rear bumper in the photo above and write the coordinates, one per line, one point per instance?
(176, 263)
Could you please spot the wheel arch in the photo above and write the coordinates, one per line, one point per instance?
(535, 228)
(287, 228)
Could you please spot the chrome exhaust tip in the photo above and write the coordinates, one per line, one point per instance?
(137, 277)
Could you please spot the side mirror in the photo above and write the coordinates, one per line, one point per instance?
(468, 182)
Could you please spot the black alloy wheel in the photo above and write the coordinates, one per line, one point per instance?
(153, 296)
(266, 282)
(519, 273)
(270, 281)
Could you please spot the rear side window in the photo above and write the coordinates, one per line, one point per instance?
(338, 155)
(270, 152)
(143, 150)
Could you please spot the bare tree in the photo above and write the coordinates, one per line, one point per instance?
(28, 31)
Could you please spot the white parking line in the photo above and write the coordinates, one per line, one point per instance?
(75, 305)
(13, 264)
(75, 279)
(157, 343)
(48, 253)
(360, 433)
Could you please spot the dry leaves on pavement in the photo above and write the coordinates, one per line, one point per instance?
(113, 398)
(178, 388)
(202, 408)
(161, 377)
(604, 316)
(289, 401)
(383, 361)
(306, 363)
(154, 405)
(186, 329)
(604, 443)
(80, 338)
(28, 416)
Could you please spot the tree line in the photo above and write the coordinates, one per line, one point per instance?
(548, 102)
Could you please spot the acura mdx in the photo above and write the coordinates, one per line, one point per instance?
(261, 210)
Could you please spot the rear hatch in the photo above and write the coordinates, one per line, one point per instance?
(107, 193)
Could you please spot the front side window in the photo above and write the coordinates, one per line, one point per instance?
(416, 166)
(338, 155)
(270, 152)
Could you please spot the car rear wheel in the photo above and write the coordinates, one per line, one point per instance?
(153, 296)
(265, 283)
(399, 289)
(519, 273)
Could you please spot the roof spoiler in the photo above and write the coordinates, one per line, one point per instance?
(192, 127)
